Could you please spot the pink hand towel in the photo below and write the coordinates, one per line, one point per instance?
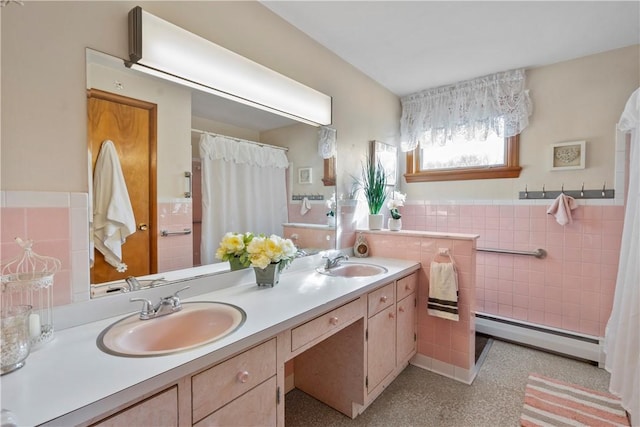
(561, 208)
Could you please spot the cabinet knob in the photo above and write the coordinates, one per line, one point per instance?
(333, 320)
(392, 315)
(401, 309)
(407, 287)
(383, 298)
(143, 227)
(243, 376)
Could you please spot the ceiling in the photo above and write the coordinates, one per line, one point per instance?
(408, 46)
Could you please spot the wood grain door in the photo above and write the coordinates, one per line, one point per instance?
(131, 125)
(406, 328)
(381, 346)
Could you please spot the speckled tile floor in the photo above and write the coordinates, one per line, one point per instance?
(422, 398)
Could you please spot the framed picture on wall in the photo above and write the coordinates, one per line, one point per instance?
(568, 155)
(305, 176)
(388, 157)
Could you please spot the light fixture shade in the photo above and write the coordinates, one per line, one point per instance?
(165, 47)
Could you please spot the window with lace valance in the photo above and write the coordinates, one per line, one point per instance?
(468, 130)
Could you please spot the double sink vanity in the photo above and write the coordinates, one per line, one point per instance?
(340, 335)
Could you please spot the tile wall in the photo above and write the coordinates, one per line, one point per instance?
(571, 289)
(444, 346)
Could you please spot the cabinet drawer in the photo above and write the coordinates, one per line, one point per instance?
(159, 410)
(381, 299)
(406, 286)
(319, 326)
(222, 383)
(256, 408)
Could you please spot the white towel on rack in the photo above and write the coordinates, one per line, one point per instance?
(561, 208)
(113, 219)
(443, 291)
(305, 206)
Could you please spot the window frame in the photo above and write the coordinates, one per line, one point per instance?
(511, 169)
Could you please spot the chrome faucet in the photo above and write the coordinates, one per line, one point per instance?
(333, 260)
(167, 305)
(133, 283)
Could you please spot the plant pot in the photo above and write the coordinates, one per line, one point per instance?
(375, 221)
(235, 264)
(395, 224)
(268, 276)
(331, 221)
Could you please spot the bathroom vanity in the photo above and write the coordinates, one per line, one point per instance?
(348, 337)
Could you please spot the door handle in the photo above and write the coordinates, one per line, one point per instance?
(143, 227)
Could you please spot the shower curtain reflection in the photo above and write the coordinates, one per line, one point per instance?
(243, 189)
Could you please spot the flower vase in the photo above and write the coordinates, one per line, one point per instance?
(395, 224)
(268, 276)
(236, 264)
(375, 221)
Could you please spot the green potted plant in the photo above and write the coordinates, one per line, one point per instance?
(374, 186)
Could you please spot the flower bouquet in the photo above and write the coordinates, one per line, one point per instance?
(233, 248)
(269, 256)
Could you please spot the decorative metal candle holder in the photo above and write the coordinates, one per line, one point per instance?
(28, 280)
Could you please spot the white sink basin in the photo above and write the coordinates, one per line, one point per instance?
(198, 323)
(353, 269)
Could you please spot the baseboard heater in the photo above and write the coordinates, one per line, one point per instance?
(555, 340)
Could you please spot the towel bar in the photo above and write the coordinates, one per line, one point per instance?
(165, 233)
(538, 253)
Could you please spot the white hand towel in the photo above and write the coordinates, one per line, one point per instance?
(443, 291)
(561, 208)
(305, 206)
(113, 219)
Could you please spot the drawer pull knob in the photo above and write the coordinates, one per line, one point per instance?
(391, 315)
(333, 320)
(383, 298)
(243, 376)
(401, 309)
(407, 287)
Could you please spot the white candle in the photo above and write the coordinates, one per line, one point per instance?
(34, 325)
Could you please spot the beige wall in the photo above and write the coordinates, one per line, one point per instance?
(44, 106)
(575, 100)
(43, 79)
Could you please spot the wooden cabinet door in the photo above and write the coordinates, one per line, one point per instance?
(381, 346)
(406, 328)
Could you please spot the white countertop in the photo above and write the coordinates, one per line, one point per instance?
(70, 372)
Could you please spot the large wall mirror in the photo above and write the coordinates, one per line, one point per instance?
(156, 127)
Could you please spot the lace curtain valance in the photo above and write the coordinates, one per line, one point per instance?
(496, 103)
(326, 142)
(233, 150)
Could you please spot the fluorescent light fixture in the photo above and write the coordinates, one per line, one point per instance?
(165, 50)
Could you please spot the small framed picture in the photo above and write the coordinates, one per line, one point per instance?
(305, 176)
(568, 155)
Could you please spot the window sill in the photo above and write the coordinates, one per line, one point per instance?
(467, 174)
